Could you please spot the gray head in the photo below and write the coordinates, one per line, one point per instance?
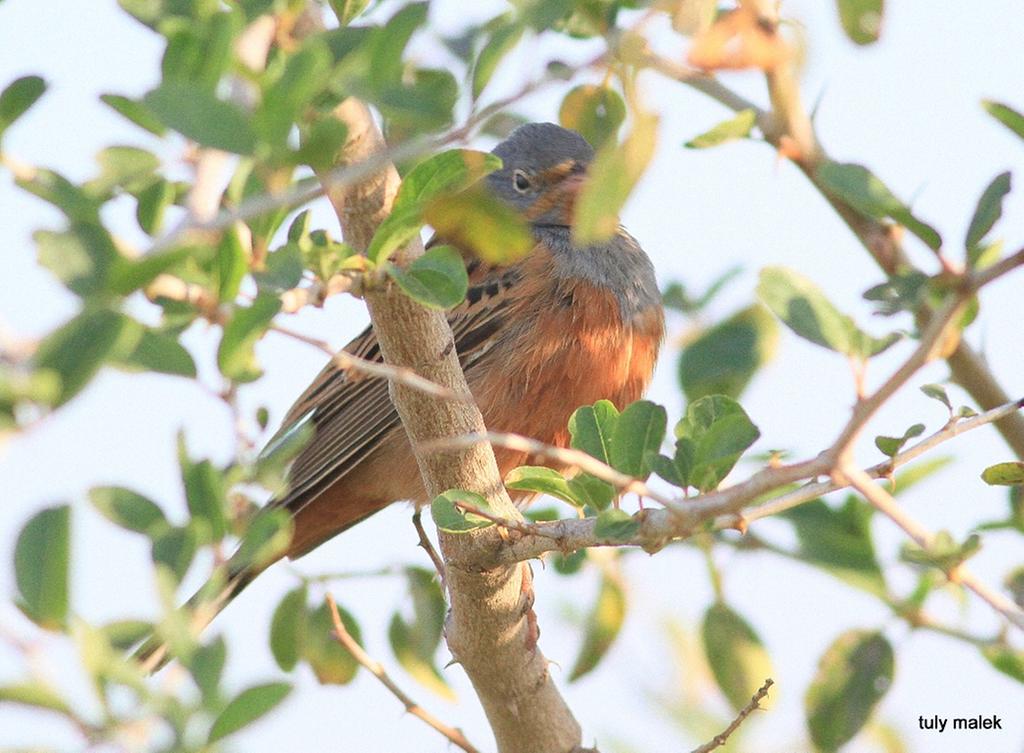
(543, 166)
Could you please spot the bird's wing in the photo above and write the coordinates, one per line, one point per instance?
(352, 412)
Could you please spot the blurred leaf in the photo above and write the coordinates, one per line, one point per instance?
(54, 188)
(481, 224)
(230, 266)
(206, 666)
(205, 491)
(125, 167)
(1004, 474)
(591, 428)
(34, 693)
(937, 392)
(569, 564)
(282, 270)
(159, 352)
(174, 548)
(304, 75)
(615, 525)
(840, 541)
(986, 214)
(266, 538)
(276, 457)
(891, 446)
(865, 192)
(247, 707)
(861, 19)
(436, 279)
(853, 675)
(347, 10)
(331, 662)
(288, 628)
(17, 97)
(543, 481)
(602, 626)
(128, 509)
(724, 359)
(81, 257)
(198, 115)
(737, 127)
(415, 643)
(134, 111)
(504, 38)
(735, 654)
(942, 551)
(919, 471)
(801, 305)
(904, 291)
(1005, 115)
(610, 180)
(595, 112)
(152, 205)
(76, 350)
(1006, 659)
(41, 566)
(235, 356)
(1015, 586)
(592, 491)
(640, 429)
(321, 142)
(123, 634)
(449, 517)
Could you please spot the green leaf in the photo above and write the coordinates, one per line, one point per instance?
(449, 517)
(266, 538)
(197, 114)
(82, 257)
(839, 540)
(639, 430)
(986, 214)
(1005, 115)
(479, 223)
(861, 19)
(595, 112)
(41, 558)
(415, 643)
(207, 666)
(592, 491)
(436, 279)
(891, 446)
(942, 552)
(737, 127)
(737, 658)
(174, 549)
(1006, 659)
(76, 350)
(54, 188)
(937, 392)
(247, 707)
(125, 167)
(34, 693)
(1004, 474)
(602, 626)
(616, 526)
(205, 492)
(321, 142)
(235, 356)
(865, 192)
(801, 305)
(282, 270)
(712, 436)
(611, 178)
(853, 675)
(724, 359)
(591, 428)
(305, 74)
(152, 205)
(127, 508)
(17, 97)
(330, 661)
(543, 481)
(288, 628)
(123, 634)
(500, 43)
(347, 10)
(134, 111)
(159, 352)
(445, 173)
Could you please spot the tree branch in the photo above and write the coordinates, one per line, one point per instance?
(486, 631)
(722, 737)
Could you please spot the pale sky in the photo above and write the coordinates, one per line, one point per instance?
(908, 107)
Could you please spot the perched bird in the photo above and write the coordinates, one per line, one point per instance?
(564, 326)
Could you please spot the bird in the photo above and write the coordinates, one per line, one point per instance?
(564, 326)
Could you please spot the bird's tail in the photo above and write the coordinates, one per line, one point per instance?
(204, 605)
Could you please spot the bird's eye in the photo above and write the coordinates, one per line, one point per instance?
(521, 181)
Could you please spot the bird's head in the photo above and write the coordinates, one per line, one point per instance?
(543, 167)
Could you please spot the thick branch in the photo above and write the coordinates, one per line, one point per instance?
(487, 631)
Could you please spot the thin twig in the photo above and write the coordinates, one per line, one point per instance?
(424, 543)
(755, 703)
(346, 361)
(375, 668)
(887, 505)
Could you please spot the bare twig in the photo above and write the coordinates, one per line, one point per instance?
(401, 375)
(424, 543)
(755, 703)
(376, 669)
(887, 505)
